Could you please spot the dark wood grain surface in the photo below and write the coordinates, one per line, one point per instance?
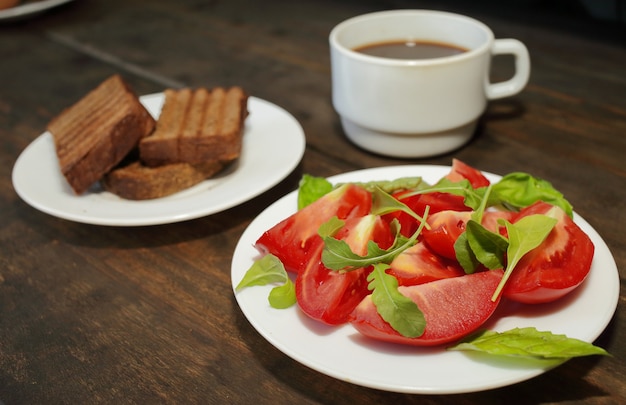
(93, 314)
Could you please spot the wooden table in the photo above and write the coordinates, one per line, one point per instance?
(97, 314)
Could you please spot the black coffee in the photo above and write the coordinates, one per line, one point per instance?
(410, 49)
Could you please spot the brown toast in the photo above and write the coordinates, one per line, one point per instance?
(96, 133)
(197, 126)
(138, 182)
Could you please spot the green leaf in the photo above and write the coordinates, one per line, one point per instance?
(464, 254)
(472, 197)
(337, 254)
(268, 270)
(311, 189)
(384, 203)
(489, 248)
(389, 186)
(524, 236)
(518, 190)
(283, 296)
(529, 342)
(330, 227)
(400, 312)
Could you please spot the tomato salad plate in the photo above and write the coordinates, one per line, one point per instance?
(340, 351)
(273, 145)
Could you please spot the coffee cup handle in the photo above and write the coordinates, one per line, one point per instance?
(522, 68)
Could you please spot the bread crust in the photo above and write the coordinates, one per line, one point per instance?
(97, 132)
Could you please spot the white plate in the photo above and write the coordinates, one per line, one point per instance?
(342, 353)
(29, 9)
(273, 145)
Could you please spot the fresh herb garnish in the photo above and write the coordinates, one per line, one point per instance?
(268, 270)
(400, 312)
(524, 236)
(530, 343)
(311, 189)
(337, 255)
(518, 190)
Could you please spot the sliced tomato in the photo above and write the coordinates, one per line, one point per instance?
(330, 296)
(436, 202)
(295, 238)
(557, 266)
(445, 228)
(491, 218)
(419, 265)
(461, 170)
(453, 308)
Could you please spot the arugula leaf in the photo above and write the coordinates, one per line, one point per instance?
(529, 342)
(384, 203)
(283, 296)
(337, 254)
(517, 190)
(489, 247)
(311, 189)
(400, 312)
(330, 227)
(389, 186)
(472, 197)
(464, 254)
(524, 236)
(267, 270)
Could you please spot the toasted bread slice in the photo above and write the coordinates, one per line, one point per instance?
(96, 133)
(197, 126)
(138, 182)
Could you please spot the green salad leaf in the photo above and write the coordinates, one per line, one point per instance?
(268, 270)
(524, 236)
(311, 189)
(384, 203)
(399, 311)
(389, 186)
(489, 247)
(337, 254)
(472, 197)
(517, 190)
(528, 342)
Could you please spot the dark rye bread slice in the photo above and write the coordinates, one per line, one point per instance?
(95, 134)
(138, 182)
(197, 126)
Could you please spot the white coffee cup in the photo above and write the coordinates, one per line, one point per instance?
(421, 107)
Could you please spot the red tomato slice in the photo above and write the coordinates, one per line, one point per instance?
(295, 238)
(447, 226)
(418, 265)
(453, 308)
(557, 266)
(445, 229)
(462, 171)
(330, 296)
(436, 201)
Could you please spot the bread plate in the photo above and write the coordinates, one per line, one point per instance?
(273, 145)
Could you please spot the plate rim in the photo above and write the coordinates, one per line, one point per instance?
(24, 10)
(153, 103)
(504, 380)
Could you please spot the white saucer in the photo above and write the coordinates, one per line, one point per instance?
(273, 145)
